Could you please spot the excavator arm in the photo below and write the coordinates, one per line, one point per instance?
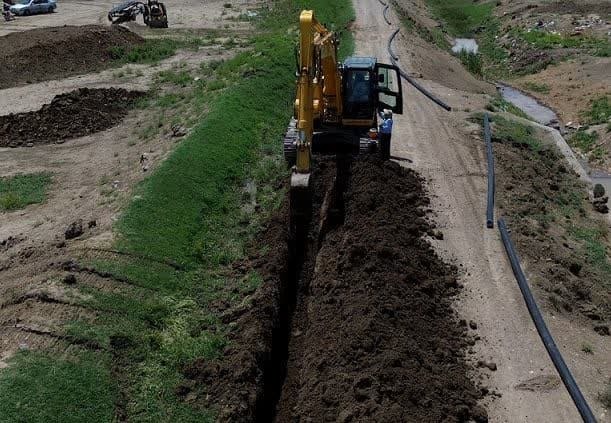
(318, 86)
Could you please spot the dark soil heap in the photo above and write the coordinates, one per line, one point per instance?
(373, 336)
(53, 53)
(71, 115)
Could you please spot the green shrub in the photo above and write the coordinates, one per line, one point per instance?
(472, 61)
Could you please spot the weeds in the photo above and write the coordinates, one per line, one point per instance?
(583, 140)
(472, 61)
(153, 50)
(536, 87)
(547, 40)
(515, 133)
(599, 112)
(182, 78)
(19, 191)
(587, 348)
(462, 17)
(594, 239)
(498, 104)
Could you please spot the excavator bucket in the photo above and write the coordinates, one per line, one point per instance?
(300, 205)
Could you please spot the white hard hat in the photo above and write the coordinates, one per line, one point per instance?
(387, 113)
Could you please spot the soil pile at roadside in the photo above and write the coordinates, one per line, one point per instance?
(372, 337)
(71, 115)
(381, 342)
(55, 53)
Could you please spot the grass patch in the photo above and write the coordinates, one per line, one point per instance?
(515, 133)
(435, 35)
(594, 239)
(153, 50)
(38, 388)
(599, 112)
(471, 61)
(468, 19)
(547, 40)
(182, 78)
(536, 87)
(498, 104)
(16, 192)
(462, 17)
(587, 143)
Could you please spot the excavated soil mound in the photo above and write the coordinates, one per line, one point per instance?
(53, 53)
(372, 337)
(71, 115)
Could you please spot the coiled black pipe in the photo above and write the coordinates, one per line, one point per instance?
(393, 59)
(491, 177)
(546, 337)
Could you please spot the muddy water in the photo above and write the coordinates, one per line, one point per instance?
(542, 114)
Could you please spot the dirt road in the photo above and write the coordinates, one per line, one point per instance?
(450, 154)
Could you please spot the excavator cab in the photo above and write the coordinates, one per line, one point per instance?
(369, 86)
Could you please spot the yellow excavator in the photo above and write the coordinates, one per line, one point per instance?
(336, 105)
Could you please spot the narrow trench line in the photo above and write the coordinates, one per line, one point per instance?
(303, 251)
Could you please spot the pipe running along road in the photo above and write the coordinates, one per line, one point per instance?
(544, 333)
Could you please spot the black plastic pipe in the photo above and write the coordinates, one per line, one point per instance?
(546, 337)
(391, 52)
(409, 79)
(385, 14)
(491, 177)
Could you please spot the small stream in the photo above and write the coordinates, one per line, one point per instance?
(540, 113)
(546, 116)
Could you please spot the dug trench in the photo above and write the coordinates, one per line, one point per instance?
(353, 321)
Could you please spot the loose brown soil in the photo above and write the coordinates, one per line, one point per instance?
(55, 53)
(372, 336)
(71, 115)
(547, 208)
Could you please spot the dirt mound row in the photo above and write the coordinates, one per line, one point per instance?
(373, 336)
(381, 342)
(54, 53)
(71, 115)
